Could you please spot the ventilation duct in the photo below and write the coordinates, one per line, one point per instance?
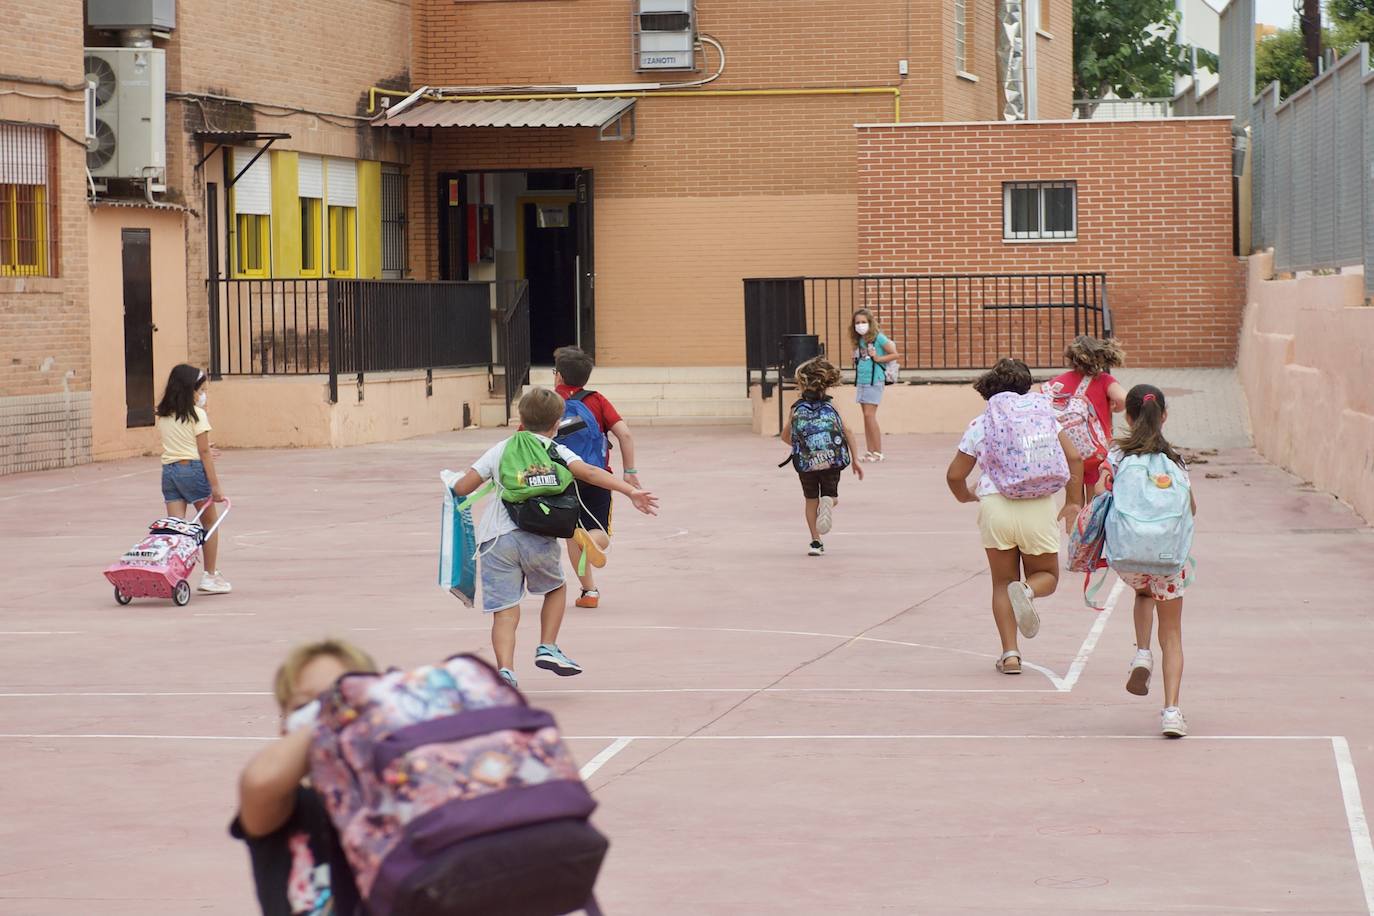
(1011, 57)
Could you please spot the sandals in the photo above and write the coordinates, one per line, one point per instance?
(873, 457)
(1006, 657)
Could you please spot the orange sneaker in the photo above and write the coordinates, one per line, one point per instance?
(590, 598)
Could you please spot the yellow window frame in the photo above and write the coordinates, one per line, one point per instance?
(10, 265)
(343, 241)
(247, 245)
(312, 239)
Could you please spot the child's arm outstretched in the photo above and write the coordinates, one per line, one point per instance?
(621, 431)
(957, 477)
(207, 458)
(1073, 491)
(644, 501)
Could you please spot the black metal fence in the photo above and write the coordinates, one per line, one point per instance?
(938, 321)
(333, 327)
(514, 317)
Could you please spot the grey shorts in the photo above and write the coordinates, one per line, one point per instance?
(870, 394)
(517, 561)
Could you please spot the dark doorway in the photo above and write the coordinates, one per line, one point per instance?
(586, 261)
(550, 254)
(138, 325)
(453, 237)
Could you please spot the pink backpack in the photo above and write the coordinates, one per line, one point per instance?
(1021, 451)
(452, 797)
(1078, 418)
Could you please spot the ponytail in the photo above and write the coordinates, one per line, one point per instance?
(1145, 409)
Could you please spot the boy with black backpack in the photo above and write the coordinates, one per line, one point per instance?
(820, 443)
(589, 419)
(518, 537)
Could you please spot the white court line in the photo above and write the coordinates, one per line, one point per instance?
(1355, 817)
(1085, 651)
(597, 762)
(893, 737)
(155, 693)
(41, 632)
(225, 614)
(73, 486)
(551, 692)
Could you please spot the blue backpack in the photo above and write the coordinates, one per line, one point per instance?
(818, 442)
(580, 433)
(1150, 526)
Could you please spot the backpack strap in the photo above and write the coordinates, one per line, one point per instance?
(581, 395)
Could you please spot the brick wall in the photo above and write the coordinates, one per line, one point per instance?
(1154, 212)
(45, 369)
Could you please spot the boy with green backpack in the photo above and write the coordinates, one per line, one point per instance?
(536, 481)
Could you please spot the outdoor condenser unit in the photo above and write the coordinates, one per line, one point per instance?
(665, 34)
(130, 127)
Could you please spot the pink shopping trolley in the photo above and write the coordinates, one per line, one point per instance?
(160, 565)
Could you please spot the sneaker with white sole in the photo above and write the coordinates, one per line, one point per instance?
(817, 549)
(1023, 606)
(1172, 723)
(214, 584)
(1138, 681)
(551, 658)
(825, 515)
(508, 676)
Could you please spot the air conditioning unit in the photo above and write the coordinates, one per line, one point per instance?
(129, 133)
(665, 35)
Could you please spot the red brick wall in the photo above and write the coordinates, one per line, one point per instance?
(1154, 212)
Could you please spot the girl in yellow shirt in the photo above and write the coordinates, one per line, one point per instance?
(188, 466)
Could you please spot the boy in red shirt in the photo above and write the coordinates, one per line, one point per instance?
(572, 369)
(1094, 358)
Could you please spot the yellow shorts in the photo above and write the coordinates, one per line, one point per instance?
(1028, 525)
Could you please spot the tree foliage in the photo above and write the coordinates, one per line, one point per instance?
(1128, 48)
(1352, 22)
(1282, 57)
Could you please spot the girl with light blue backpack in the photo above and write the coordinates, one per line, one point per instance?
(1149, 536)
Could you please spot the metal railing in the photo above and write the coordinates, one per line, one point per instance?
(938, 321)
(333, 327)
(514, 331)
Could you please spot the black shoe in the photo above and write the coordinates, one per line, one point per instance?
(817, 549)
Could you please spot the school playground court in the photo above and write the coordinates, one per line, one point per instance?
(767, 733)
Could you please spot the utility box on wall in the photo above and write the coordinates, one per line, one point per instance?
(665, 34)
(160, 15)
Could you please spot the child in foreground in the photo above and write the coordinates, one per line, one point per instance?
(513, 560)
(821, 447)
(1025, 460)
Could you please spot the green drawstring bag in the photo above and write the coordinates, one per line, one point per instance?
(537, 488)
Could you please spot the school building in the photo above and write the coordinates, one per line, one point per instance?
(379, 218)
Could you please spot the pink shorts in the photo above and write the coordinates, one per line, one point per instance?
(1161, 588)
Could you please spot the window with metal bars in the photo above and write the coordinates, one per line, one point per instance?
(393, 223)
(1038, 211)
(960, 36)
(28, 242)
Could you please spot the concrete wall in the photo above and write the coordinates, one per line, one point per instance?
(1306, 360)
(1154, 212)
(939, 408)
(394, 406)
(110, 436)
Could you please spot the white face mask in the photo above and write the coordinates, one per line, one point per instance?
(200, 399)
(861, 328)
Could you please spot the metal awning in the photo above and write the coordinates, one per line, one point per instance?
(600, 113)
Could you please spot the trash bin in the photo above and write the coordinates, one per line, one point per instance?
(797, 349)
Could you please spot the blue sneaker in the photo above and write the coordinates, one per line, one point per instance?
(551, 658)
(508, 676)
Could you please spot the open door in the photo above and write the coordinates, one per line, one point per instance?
(138, 326)
(453, 226)
(586, 265)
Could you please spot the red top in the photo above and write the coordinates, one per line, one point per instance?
(602, 409)
(1097, 394)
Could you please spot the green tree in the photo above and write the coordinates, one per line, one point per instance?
(1352, 21)
(1282, 57)
(1126, 47)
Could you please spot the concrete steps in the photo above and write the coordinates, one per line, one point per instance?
(670, 396)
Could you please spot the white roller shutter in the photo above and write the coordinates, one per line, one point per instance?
(342, 182)
(23, 155)
(253, 190)
(311, 177)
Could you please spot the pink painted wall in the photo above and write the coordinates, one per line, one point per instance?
(1306, 362)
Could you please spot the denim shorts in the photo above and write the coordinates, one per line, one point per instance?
(514, 562)
(185, 482)
(870, 394)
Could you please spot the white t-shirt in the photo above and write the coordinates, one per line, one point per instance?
(496, 521)
(972, 444)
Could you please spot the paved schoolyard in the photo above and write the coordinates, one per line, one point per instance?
(770, 733)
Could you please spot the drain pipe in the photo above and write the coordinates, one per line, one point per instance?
(1031, 40)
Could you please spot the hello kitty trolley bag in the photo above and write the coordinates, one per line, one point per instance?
(160, 565)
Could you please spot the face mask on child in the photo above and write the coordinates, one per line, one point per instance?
(861, 328)
(200, 399)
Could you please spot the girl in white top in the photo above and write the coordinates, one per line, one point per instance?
(188, 463)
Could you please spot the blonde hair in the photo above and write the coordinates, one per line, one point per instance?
(1093, 355)
(349, 655)
(540, 410)
(873, 329)
(817, 375)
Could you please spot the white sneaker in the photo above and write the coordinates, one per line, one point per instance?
(1172, 723)
(1023, 606)
(1138, 681)
(824, 517)
(214, 584)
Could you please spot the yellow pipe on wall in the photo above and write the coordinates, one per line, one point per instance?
(893, 91)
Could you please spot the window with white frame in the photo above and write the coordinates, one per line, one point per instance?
(1039, 210)
(960, 35)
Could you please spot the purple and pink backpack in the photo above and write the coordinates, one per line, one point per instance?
(452, 797)
(1021, 451)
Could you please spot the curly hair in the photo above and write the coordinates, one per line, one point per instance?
(1007, 375)
(816, 376)
(1093, 355)
(873, 329)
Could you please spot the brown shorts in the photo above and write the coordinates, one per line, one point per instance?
(816, 484)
